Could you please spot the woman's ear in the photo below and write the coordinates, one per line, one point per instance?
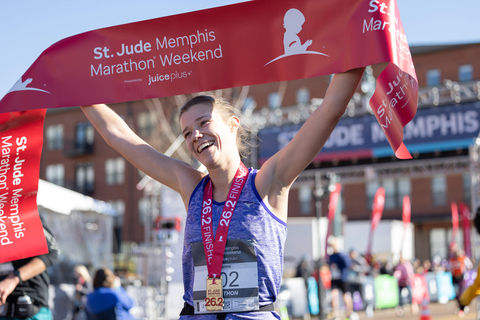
(234, 123)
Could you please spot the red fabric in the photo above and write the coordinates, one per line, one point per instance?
(21, 232)
(457, 266)
(332, 207)
(377, 211)
(242, 44)
(454, 221)
(419, 288)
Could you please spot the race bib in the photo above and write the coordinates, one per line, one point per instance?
(239, 277)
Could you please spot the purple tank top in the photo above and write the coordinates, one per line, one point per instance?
(252, 221)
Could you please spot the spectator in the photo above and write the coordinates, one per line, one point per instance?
(304, 269)
(358, 270)
(108, 301)
(83, 286)
(472, 291)
(404, 274)
(339, 267)
(459, 264)
(29, 278)
(359, 266)
(427, 266)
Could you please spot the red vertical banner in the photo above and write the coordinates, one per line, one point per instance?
(377, 211)
(406, 212)
(406, 217)
(454, 222)
(465, 212)
(21, 140)
(332, 208)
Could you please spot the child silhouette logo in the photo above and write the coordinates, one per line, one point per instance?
(22, 86)
(293, 22)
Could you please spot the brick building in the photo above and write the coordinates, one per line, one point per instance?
(441, 141)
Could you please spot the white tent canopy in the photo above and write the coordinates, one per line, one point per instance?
(81, 225)
(62, 200)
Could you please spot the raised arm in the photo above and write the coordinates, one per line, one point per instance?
(280, 171)
(173, 173)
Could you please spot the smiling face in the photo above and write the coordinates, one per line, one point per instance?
(209, 138)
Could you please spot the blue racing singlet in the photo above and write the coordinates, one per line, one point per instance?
(251, 221)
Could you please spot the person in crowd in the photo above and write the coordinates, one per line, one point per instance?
(83, 285)
(215, 136)
(24, 290)
(304, 268)
(437, 264)
(427, 265)
(386, 267)
(108, 301)
(417, 263)
(359, 268)
(459, 263)
(339, 268)
(472, 291)
(404, 274)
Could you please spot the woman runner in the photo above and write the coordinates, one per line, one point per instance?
(246, 206)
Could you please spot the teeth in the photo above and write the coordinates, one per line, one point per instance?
(204, 145)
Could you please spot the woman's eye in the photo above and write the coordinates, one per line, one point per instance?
(187, 135)
(204, 122)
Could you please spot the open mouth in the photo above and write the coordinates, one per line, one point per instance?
(204, 146)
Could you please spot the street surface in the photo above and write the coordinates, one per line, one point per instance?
(437, 311)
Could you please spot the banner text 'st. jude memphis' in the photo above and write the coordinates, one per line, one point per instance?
(242, 44)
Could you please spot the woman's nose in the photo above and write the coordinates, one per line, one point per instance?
(196, 135)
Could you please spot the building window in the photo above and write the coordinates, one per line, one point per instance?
(372, 188)
(84, 135)
(439, 191)
(55, 137)
(303, 96)
(115, 171)
(55, 174)
(146, 123)
(404, 188)
(119, 205)
(274, 100)
(467, 188)
(438, 242)
(440, 239)
(465, 72)
(433, 77)
(144, 208)
(305, 199)
(395, 190)
(85, 178)
(390, 194)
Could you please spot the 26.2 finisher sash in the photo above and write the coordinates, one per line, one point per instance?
(214, 250)
(243, 44)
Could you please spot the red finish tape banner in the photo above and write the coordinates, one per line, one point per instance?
(21, 232)
(242, 44)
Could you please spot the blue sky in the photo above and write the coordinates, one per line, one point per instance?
(27, 27)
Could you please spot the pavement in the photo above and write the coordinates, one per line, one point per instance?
(437, 311)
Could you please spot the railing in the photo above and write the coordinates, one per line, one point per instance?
(76, 149)
(448, 93)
